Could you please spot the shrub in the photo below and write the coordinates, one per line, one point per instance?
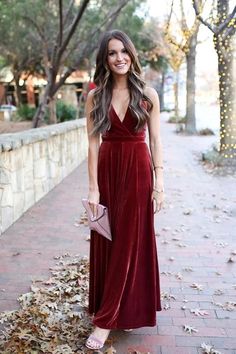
(175, 119)
(213, 156)
(26, 112)
(206, 131)
(65, 111)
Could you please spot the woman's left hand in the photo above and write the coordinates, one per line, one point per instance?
(158, 198)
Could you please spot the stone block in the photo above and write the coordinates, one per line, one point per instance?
(43, 148)
(54, 170)
(18, 206)
(17, 179)
(40, 168)
(5, 176)
(7, 217)
(41, 187)
(7, 196)
(27, 151)
(36, 151)
(16, 159)
(28, 179)
(29, 199)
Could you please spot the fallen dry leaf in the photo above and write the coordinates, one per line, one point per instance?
(166, 306)
(209, 349)
(166, 228)
(83, 219)
(181, 244)
(176, 238)
(189, 329)
(196, 286)
(167, 273)
(221, 244)
(167, 296)
(188, 211)
(137, 352)
(188, 269)
(198, 312)
(110, 350)
(228, 305)
(16, 254)
(218, 292)
(179, 276)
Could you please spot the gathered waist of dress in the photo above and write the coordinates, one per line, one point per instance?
(124, 139)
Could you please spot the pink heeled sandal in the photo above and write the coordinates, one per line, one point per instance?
(95, 343)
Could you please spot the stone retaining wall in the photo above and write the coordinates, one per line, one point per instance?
(34, 161)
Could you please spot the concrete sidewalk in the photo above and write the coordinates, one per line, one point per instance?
(196, 248)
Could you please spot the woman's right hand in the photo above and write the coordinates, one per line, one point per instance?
(93, 199)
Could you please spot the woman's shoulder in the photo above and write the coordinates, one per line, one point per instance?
(151, 93)
(90, 94)
(89, 100)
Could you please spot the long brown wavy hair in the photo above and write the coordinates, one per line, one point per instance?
(104, 85)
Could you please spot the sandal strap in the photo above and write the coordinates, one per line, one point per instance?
(96, 340)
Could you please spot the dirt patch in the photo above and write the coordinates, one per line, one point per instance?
(13, 127)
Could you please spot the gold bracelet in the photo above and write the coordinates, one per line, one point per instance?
(155, 167)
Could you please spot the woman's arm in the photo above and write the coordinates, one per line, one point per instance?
(93, 148)
(156, 147)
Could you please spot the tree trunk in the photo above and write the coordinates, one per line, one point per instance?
(161, 93)
(190, 86)
(225, 52)
(52, 111)
(18, 89)
(46, 101)
(176, 93)
(225, 46)
(41, 110)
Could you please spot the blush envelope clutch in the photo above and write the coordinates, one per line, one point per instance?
(100, 223)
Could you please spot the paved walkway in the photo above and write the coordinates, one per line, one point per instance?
(195, 238)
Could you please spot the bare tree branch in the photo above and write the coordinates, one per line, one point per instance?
(42, 36)
(206, 23)
(73, 27)
(184, 26)
(110, 18)
(35, 25)
(169, 17)
(223, 25)
(229, 31)
(61, 23)
(68, 11)
(215, 29)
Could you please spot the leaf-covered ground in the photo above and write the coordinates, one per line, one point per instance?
(53, 317)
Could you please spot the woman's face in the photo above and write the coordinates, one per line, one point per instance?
(118, 58)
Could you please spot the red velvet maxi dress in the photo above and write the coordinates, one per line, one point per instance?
(124, 288)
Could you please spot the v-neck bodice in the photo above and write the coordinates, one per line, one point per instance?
(113, 108)
(123, 130)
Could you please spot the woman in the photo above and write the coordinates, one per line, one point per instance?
(124, 288)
